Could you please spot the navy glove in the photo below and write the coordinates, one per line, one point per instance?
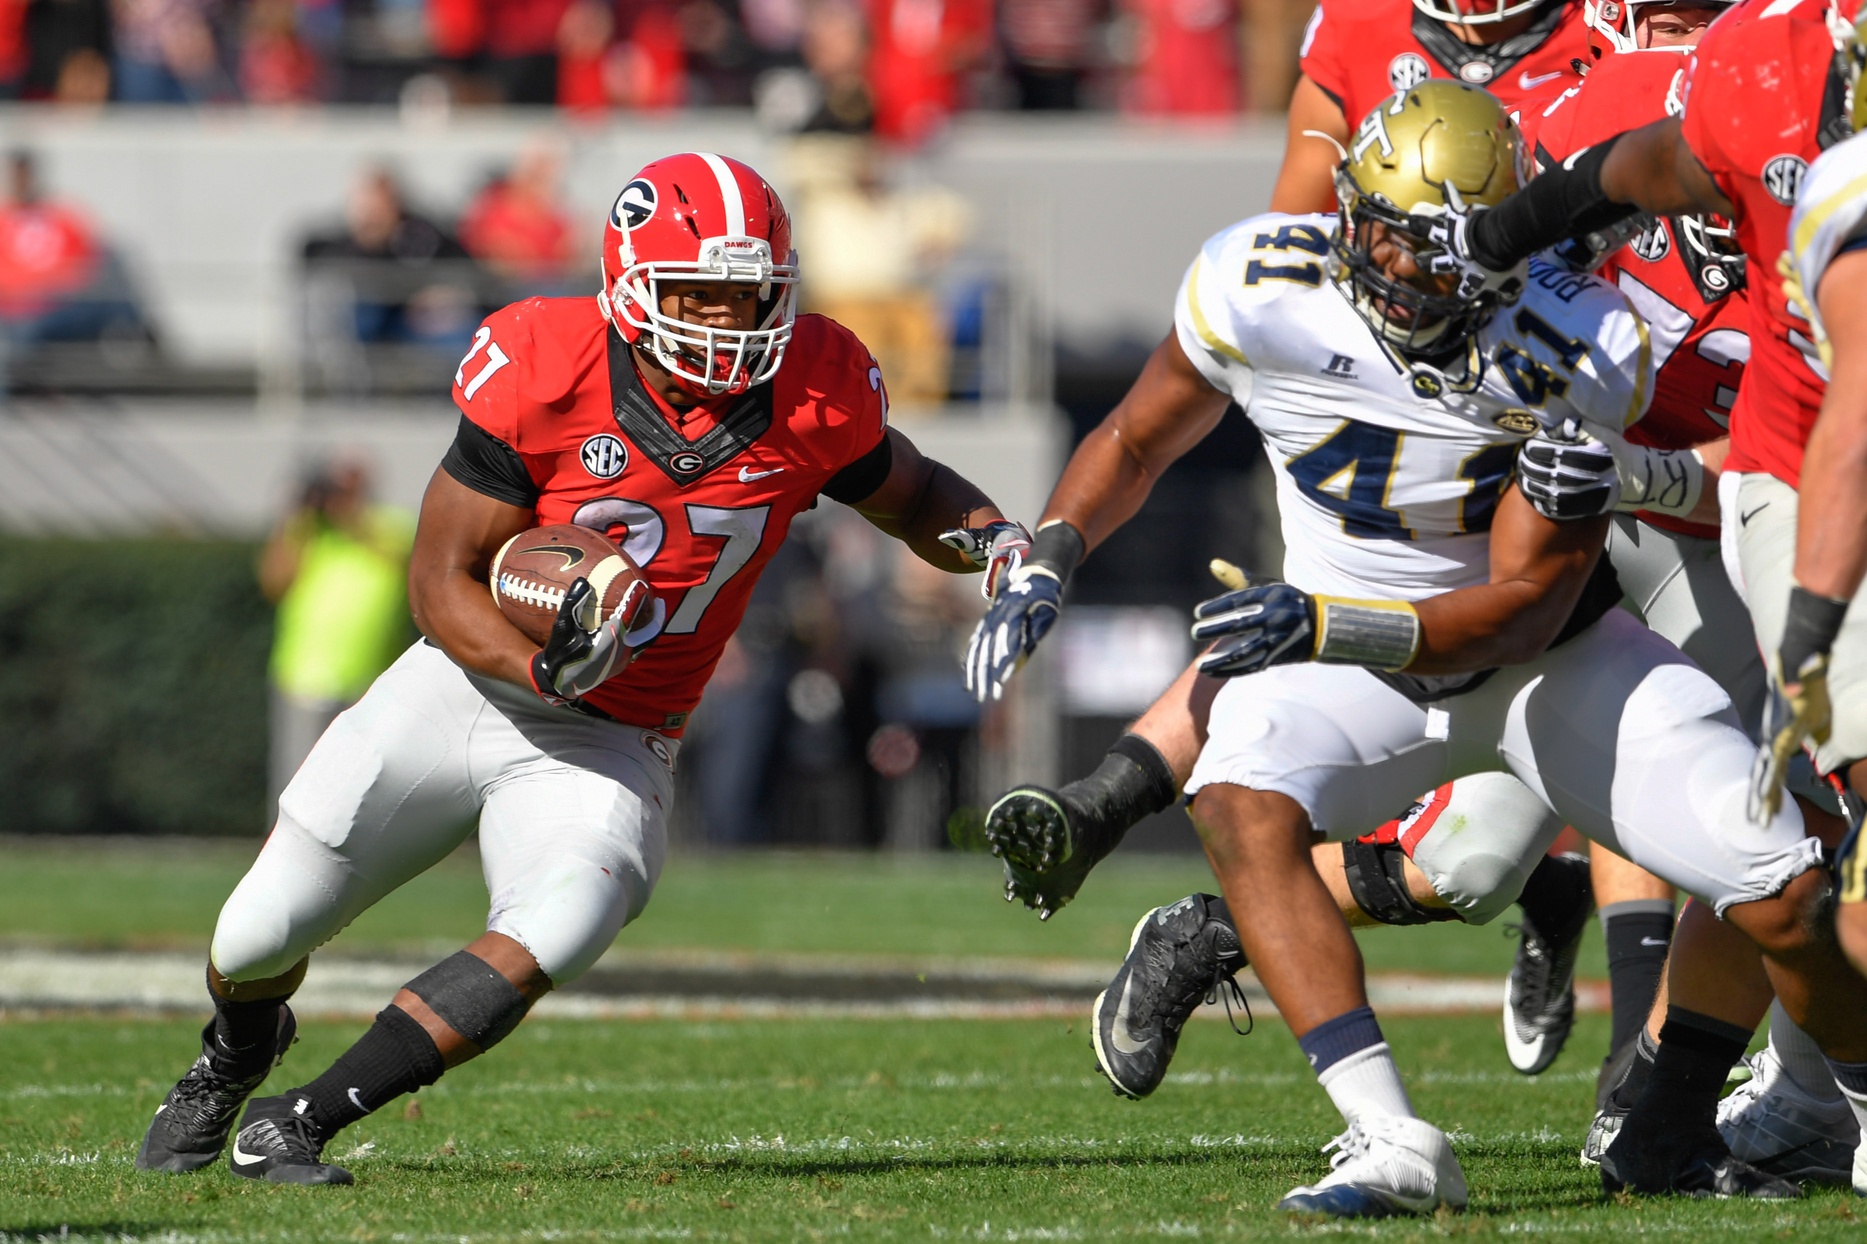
(1256, 627)
(1019, 616)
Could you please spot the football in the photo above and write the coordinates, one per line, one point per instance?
(535, 568)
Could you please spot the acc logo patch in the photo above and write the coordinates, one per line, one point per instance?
(687, 462)
(1407, 71)
(1652, 244)
(634, 205)
(1477, 72)
(1517, 422)
(604, 456)
(1782, 177)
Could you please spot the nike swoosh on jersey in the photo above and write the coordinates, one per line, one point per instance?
(1528, 83)
(242, 1158)
(747, 474)
(1118, 1031)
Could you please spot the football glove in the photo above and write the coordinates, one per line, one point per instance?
(584, 649)
(1019, 616)
(1450, 235)
(997, 548)
(1568, 477)
(1797, 712)
(1270, 624)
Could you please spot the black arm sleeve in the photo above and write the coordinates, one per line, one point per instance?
(861, 478)
(1562, 202)
(488, 465)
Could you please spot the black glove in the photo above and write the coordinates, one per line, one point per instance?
(583, 649)
(1256, 627)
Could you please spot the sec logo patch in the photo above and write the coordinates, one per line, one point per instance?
(1407, 71)
(604, 456)
(1782, 177)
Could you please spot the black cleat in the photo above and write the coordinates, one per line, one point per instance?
(1179, 955)
(1049, 843)
(1697, 1164)
(191, 1125)
(281, 1143)
(1539, 997)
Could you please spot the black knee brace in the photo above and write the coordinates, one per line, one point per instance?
(471, 998)
(1376, 874)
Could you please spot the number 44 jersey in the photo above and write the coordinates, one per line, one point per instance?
(556, 420)
(1388, 476)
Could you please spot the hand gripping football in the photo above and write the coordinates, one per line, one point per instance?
(534, 568)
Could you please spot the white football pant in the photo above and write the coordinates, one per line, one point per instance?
(571, 811)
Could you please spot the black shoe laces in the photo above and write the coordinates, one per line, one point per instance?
(204, 1093)
(1202, 981)
(296, 1137)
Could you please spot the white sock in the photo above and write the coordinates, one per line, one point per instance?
(1365, 1083)
(1801, 1058)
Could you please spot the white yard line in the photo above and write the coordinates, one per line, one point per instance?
(697, 988)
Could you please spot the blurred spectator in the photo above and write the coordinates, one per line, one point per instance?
(1186, 58)
(58, 282)
(517, 225)
(277, 66)
(873, 252)
(919, 51)
(514, 43)
(1049, 46)
(390, 267)
(337, 568)
(68, 44)
(166, 53)
(836, 54)
(14, 53)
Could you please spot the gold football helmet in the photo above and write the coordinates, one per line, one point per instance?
(1434, 145)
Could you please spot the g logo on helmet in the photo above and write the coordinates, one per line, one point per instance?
(1782, 177)
(1407, 71)
(634, 205)
(604, 456)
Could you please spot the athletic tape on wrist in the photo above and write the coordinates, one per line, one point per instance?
(1809, 629)
(472, 998)
(1383, 634)
(1377, 880)
(1058, 548)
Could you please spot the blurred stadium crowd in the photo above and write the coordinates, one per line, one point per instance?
(897, 68)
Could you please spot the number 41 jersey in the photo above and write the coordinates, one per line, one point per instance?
(1387, 480)
(555, 419)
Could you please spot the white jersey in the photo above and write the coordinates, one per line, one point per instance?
(1830, 217)
(1387, 480)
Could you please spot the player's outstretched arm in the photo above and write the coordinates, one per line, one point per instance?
(460, 533)
(920, 499)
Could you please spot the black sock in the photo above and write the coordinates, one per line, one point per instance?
(1554, 893)
(1134, 780)
(1638, 935)
(1623, 1095)
(394, 1057)
(1695, 1057)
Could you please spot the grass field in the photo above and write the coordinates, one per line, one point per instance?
(865, 1130)
(164, 894)
(787, 1129)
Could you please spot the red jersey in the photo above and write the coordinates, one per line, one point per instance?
(1699, 322)
(1758, 110)
(1361, 51)
(555, 418)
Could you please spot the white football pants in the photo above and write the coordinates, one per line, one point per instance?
(571, 811)
(1615, 732)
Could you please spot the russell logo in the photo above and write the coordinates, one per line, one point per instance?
(604, 456)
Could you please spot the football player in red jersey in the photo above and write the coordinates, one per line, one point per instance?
(1356, 53)
(687, 412)
(1768, 91)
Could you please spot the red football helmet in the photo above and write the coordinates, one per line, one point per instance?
(1611, 22)
(1475, 12)
(700, 217)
